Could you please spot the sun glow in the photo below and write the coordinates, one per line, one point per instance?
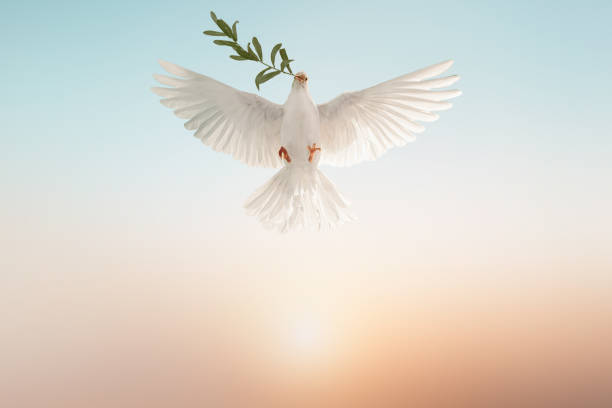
(307, 335)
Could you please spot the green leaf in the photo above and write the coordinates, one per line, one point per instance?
(214, 33)
(240, 51)
(285, 64)
(234, 31)
(225, 28)
(252, 53)
(268, 76)
(259, 76)
(283, 54)
(226, 43)
(257, 46)
(274, 51)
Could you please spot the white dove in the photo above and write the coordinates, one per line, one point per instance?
(353, 127)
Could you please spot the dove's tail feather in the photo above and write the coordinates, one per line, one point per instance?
(299, 197)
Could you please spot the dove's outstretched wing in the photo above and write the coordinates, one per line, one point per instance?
(362, 125)
(239, 123)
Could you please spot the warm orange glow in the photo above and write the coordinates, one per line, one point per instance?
(307, 335)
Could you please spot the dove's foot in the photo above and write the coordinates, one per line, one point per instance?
(282, 153)
(312, 149)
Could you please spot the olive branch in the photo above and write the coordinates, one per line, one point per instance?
(249, 55)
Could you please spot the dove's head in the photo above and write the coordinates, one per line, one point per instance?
(301, 80)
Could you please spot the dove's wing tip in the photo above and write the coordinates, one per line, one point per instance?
(157, 90)
(175, 69)
(168, 66)
(447, 64)
(161, 78)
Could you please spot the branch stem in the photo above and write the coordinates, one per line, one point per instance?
(269, 66)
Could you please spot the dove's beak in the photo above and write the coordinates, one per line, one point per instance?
(301, 77)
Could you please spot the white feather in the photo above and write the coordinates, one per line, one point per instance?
(238, 123)
(363, 125)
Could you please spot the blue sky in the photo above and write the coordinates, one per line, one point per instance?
(524, 152)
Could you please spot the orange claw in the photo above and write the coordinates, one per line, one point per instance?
(283, 152)
(312, 151)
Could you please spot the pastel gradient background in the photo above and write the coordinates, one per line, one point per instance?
(478, 275)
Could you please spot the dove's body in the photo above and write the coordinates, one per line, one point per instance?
(351, 128)
(300, 127)
(299, 195)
